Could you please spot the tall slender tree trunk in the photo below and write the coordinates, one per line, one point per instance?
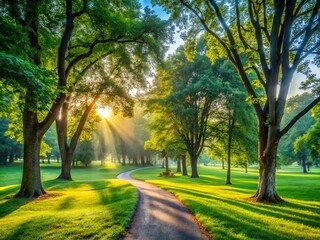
(61, 127)
(67, 151)
(222, 164)
(123, 156)
(178, 164)
(228, 181)
(184, 165)
(246, 167)
(31, 180)
(166, 163)
(303, 163)
(230, 132)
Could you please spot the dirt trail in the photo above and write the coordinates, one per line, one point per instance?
(160, 215)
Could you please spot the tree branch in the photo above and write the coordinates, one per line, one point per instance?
(298, 116)
(263, 83)
(87, 68)
(225, 46)
(138, 39)
(309, 30)
(258, 35)
(83, 119)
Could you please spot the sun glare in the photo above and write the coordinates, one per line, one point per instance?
(104, 112)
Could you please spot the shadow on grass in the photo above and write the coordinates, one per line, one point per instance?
(239, 214)
(12, 205)
(239, 228)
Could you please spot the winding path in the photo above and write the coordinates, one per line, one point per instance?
(159, 215)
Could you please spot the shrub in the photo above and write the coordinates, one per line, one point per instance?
(167, 173)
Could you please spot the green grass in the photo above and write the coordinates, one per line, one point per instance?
(226, 212)
(95, 205)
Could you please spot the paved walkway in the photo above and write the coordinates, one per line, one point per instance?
(159, 215)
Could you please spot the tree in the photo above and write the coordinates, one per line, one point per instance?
(63, 37)
(286, 37)
(85, 152)
(286, 146)
(302, 152)
(239, 119)
(28, 15)
(189, 103)
(308, 145)
(112, 71)
(9, 148)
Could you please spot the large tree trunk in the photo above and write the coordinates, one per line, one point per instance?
(194, 165)
(268, 146)
(31, 181)
(194, 169)
(66, 162)
(184, 165)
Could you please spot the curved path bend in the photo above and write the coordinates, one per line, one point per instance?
(160, 215)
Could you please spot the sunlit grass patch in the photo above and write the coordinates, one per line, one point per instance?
(95, 205)
(224, 210)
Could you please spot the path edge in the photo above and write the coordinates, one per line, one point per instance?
(201, 227)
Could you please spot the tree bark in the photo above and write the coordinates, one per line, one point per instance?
(268, 146)
(178, 164)
(67, 151)
(230, 132)
(61, 127)
(31, 180)
(166, 163)
(194, 165)
(184, 166)
(303, 163)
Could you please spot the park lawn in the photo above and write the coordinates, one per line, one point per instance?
(95, 205)
(226, 211)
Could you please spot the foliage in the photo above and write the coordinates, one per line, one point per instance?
(185, 103)
(85, 152)
(286, 146)
(271, 39)
(239, 121)
(309, 143)
(8, 146)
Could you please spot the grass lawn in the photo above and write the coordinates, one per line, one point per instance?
(224, 210)
(95, 205)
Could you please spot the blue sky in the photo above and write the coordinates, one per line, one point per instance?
(163, 15)
(157, 9)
